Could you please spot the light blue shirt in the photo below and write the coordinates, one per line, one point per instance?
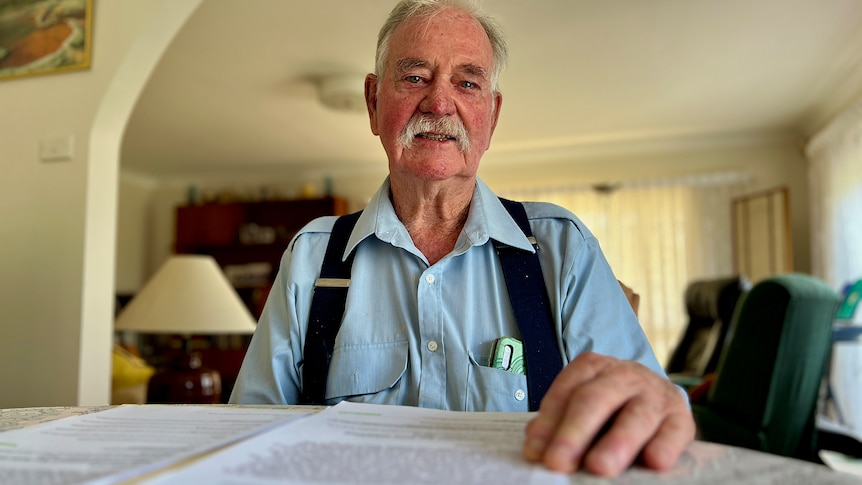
(419, 334)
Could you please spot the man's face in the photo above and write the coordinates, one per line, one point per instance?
(437, 80)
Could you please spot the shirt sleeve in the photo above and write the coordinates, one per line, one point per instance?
(270, 372)
(596, 315)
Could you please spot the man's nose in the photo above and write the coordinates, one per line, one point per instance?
(438, 99)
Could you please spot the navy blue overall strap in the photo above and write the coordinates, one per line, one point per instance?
(327, 310)
(532, 308)
(527, 293)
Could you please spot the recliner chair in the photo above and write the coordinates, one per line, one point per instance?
(765, 392)
(710, 305)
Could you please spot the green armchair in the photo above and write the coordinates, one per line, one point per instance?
(765, 392)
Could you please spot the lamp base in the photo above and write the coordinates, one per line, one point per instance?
(185, 381)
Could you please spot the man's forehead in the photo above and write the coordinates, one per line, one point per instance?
(463, 38)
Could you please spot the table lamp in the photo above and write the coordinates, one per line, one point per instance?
(189, 295)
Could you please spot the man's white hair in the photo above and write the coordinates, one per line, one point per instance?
(408, 9)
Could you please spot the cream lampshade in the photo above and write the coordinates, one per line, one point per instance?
(189, 295)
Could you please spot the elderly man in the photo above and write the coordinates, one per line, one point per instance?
(428, 294)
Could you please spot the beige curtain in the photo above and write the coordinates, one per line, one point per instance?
(835, 174)
(657, 236)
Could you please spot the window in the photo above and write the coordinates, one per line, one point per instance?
(835, 173)
(657, 236)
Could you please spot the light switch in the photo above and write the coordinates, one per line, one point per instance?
(57, 148)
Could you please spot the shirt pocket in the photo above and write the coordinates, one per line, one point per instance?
(371, 371)
(490, 389)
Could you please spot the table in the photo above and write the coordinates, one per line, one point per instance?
(22, 417)
(703, 463)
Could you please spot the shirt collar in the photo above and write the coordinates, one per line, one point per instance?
(487, 219)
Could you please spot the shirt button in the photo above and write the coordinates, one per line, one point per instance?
(520, 395)
(429, 279)
(432, 346)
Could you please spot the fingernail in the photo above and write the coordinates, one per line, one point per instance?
(559, 459)
(607, 464)
(534, 448)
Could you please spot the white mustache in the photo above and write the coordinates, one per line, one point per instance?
(446, 125)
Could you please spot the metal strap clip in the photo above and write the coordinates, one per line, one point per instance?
(332, 283)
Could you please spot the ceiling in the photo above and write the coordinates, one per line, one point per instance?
(235, 91)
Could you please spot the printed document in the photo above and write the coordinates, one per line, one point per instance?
(124, 442)
(365, 443)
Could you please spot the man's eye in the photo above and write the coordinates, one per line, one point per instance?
(468, 84)
(413, 79)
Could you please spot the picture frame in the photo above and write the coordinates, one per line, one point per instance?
(44, 37)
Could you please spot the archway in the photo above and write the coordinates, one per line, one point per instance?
(94, 368)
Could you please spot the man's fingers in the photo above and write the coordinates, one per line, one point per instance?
(571, 418)
(602, 413)
(555, 407)
(672, 438)
(567, 443)
(607, 420)
(634, 425)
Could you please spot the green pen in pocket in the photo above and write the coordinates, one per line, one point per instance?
(508, 355)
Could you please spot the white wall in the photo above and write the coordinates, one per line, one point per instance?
(133, 236)
(58, 227)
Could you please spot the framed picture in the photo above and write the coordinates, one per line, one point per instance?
(761, 234)
(44, 36)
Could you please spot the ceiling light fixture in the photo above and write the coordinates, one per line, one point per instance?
(343, 92)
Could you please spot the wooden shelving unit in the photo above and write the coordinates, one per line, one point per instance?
(247, 239)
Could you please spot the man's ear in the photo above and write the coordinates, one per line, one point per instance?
(371, 101)
(498, 102)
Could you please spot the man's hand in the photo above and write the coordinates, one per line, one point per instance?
(601, 413)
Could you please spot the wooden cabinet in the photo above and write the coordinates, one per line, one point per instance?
(247, 239)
